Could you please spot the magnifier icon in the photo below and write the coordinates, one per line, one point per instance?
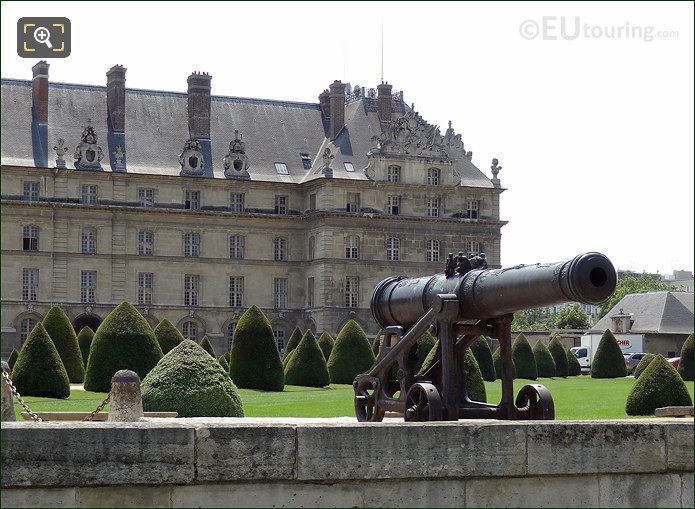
(43, 36)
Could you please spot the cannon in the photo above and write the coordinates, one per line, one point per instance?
(463, 302)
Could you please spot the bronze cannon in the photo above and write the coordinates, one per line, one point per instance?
(463, 302)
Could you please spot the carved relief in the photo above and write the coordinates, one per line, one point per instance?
(236, 163)
(118, 156)
(88, 154)
(326, 167)
(60, 150)
(191, 159)
(411, 135)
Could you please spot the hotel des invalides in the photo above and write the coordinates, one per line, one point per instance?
(194, 207)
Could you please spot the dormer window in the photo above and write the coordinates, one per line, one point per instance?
(472, 209)
(349, 167)
(433, 175)
(393, 174)
(281, 168)
(306, 161)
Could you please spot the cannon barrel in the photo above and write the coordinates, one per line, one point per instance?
(588, 278)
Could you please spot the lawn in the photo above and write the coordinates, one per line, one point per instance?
(575, 398)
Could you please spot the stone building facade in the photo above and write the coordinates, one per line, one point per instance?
(194, 207)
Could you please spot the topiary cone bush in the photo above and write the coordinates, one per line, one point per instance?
(207, 346)
(642, 364)
(658, 386)
(351, 354)
(63, 335)
(422, 349)
(377, 342)
(544, 360)
(307, 365)
(124, 340)
(685, 366)
(573, 366)
(483, 355)
(326, 345)
(474, 379)
(39, 371)
(497, 361)
(13, 358)
(255, 361)
(559, 357)
(295, 338)
(168, 336)
(84, 339)
(223, 362)
(608, 361)
(524, 361)
(189, 381)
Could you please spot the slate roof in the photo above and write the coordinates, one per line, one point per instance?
(157, 128)
(653, 312)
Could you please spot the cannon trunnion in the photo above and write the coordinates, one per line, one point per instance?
(466, 301)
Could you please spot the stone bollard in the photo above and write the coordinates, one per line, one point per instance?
(126, 401)
(7, 403)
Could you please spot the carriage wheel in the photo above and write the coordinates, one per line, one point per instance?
(423, 403)
(534, 402)
(366, 406)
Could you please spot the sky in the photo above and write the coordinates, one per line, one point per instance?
(587, 106)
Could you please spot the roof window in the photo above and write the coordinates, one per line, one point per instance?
(281, 168)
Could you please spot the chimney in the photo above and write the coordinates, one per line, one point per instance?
(384, 102)
(115, 98)
(39, 113)
(337, 107)
(199, 105)
(325, 103)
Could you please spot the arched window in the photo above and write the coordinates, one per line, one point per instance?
(25, 328)
(280, 249)
(393, 249)
(393, 173)
(433, 176)
(352, 247)
(432, 251)
(279, 334)
(189, 330)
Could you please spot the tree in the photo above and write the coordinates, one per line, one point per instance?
(326, 345)
(223, 362)
(573, 366)
(13, 358)
(167, 335)
(474, 379)
(545, 363)
(295, 338)
(573, 317)
(62, 333)
(84, 339)
(642, 364)
(608, 361)
(497, 361)
(685, 366)
(205, 344)
(632, 283)
(533, 320)
(307, 366)
(422, 348)
(376, 344)
(483, 355)
(658, 386)
(559, 356)
(524, 361)
(351, 354)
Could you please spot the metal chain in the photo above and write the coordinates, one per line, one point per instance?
(15, 393)
(98, 409)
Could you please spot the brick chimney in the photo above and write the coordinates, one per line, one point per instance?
(337, 107)
(115, 98)
(384, 102)
(39, 113)
(199, 105)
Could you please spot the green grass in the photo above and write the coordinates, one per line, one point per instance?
(575, 398)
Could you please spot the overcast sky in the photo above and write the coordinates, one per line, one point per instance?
(594, 134)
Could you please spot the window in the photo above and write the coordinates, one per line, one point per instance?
(393, 174)
(312, 248)
(30, 191)
(394, 205)
(472, 207)
(30, 240)
(280, 249)
(393, 249)
(280, 293)
(280, 339)
(191, 244)
(432, 251)
(352, 247)
(312, 201)
(473, 248)
(145, 243)
(89, 240)
(191, 200)
(145, 288)
(433, 176)
(236, 247)
(310, 287)
(236, 291)
(25, 327)
(281, 168)
(433, 207)
(306, 161)
(353, 202)
(280, 204)
(349, 167)
(236, 202)
(30, 284)
(89, 194)
(352, 291)
(88, 286)
(191, 286)
(146, 197)
(229, 336)
(189, 330)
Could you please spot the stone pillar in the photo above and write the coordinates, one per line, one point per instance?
(337, 102)
(384, 102)
(39, 113)
(7, 403)
(126, 401)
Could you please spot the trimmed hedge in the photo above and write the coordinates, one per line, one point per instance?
(481, 352)
(307, 365)
(524, 361)
(685, 366)
(559, 356)
(205, 344)
(326, 344)
(13, 358)
(223, 362)
(421, 350)
(351, 354)
(474, 379)
(295, 338)
(84, 339)
(642, 364)
(39, 371)
(545, 363)
(376, 344)
(189, 381)
(608, 361)
(124, 340)
(255, 361)
(659, 385)
(168, 336)
(497, 361)
(573, 366)
(62, 333)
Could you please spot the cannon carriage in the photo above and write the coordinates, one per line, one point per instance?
(463, 302)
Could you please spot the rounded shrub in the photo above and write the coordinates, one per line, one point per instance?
(39, 371)
(307, 365)
(207, 346)
(12, 359)
(189, 381)
(295, 338)
(376, 344)
(255, 361)
(84, 339)
(685, 366)
(124, 340)
(497, 361)
(351, 354)
(481, 352)
(573, 366)
(326, 345)
(545, 363)
(642, 364)
(608, 361)
(658, 386)
(223, 362)
(62, 333)
(474, 379)
(168, 336)
(559, 357)
(524, 361)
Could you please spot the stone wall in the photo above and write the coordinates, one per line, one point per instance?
(338, 462)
